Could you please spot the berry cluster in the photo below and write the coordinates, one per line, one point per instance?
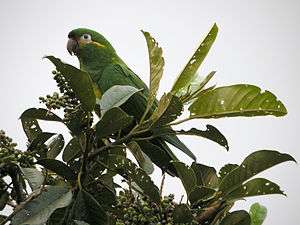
(8, 152)
(132, 210)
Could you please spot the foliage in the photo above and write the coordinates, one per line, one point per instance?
(81, 189)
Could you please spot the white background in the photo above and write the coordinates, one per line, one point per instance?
(258, 43)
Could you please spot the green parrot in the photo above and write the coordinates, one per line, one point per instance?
(99, 59)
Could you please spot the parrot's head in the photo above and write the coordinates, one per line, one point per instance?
(88, 45)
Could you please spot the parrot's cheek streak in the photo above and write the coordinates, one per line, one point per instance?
(72, 46)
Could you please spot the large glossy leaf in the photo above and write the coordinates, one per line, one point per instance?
(252, 165)
(80, 82)
(87, 209)
(59, 168)
(258, 214)
(236, 100)
(182, 214)
(240, 217)
(200, 193)
(189, 72)
(40, 114)
(186, 175)
(114, 120)
(169, 109)
(72, 150)
(38, 210)
(55, 146)
(143, 160)
(205, 175)
(31, 128)
(255, 187)
(34, 177)
(157, 62)
(116, 96)
(129, 170)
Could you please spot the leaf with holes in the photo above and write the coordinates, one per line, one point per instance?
(80, 82)
(236, 100)
(258, 214)
(38, 210)
(227, 169)
(129, 170)
(206, 175)
(55, 146)
(40, 114)
(255, 187)
(157, 62)
(189, 72)
(252, 165)
(72, 150)
(201, 193)
(116, 96)
(31, 128)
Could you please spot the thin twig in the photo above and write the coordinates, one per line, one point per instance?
(162, 184)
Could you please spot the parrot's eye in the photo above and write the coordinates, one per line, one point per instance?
(86, 37)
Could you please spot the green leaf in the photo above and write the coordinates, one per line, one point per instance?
(4, 196)
(114, 120)
(255, 187)
(227, 169)
(258, 214)
(205, 175)
(116, 96)
(31, 128)
(236, 100)
(200, 194)
(237, 218)
(59, 168)
(143, 160)
(77, 222)
(80, 82)
(186, 175)
(55, 146)
(188, 73)
(182, 214)
(169, 109)
(38, 210)
(252, 165)
(157, 62)
(210, 133)
(87, 209)
(40, 114)
(34, 177)
(72, 150)
(39, 141)
(129, 170)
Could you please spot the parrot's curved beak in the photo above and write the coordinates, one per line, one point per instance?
(72, 46)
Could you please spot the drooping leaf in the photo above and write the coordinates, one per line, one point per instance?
(210, 133)
(116, 96)
(254, 187)
(38, 210)
(200, 193)
(72, 150)
(55, 146)
(143, 160)
(252, 165)
(258, 214)
(80, 82)
(59, 168)
(114, 120)
(186, 175)
(236, 100)
(40, 114)
(205, 175)
(189, 72)
(4, 196)
(169, 109)
(87, 209)
(31, 128)
(240, 217)
(129, 170)
(182, 214)
(157, 62)
(34, 177)
(227, 169)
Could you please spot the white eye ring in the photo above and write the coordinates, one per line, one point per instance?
(86, 37)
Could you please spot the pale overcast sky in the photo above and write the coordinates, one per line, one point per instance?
(258, 43)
